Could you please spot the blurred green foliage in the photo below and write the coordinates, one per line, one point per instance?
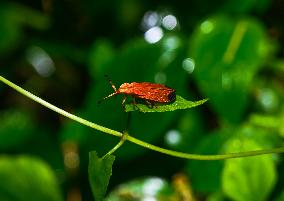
(26, 177)
(228, 51)
(16, 128)
(248, 179)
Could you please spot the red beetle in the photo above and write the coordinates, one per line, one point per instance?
(150, 92)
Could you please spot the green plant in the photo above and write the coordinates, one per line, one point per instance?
(100, 168)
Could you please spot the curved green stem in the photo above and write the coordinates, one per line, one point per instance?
(204, 157)
(58, 110)
(134, 140)
(119, 144)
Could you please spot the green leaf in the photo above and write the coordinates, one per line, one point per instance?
(26, 178)
(228, 53)
(250, 178)
(100, 170)
(179, 104)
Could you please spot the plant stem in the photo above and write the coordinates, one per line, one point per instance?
(125, 136)
(58, 110)
(204, 157)
(119, 144)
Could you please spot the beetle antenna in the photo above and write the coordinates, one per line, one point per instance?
(111, 83)
(113, 94)
(114, 88)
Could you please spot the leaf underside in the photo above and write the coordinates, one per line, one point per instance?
(180, 103)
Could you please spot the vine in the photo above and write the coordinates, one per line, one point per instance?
(126, 136)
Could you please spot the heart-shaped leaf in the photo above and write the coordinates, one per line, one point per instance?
(180, 103)
(100, 170)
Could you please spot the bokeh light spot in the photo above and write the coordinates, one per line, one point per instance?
(169, 22)
(188, 65)
(160, 78)
(207, 26)
(154, 34)
(173, 137)
(41, 61)
(152, 186)
(268, 99)
(171, 43)
(150, 20)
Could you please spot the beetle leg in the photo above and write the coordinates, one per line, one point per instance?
(123, 102)
(149, 104)
(135, 104)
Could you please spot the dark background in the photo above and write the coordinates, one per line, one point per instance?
(228, 51)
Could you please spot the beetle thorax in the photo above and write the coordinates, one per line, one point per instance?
(125, 88)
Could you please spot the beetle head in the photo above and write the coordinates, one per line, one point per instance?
(124, 88)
